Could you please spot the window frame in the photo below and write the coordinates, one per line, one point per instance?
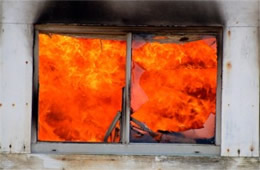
(125, 147)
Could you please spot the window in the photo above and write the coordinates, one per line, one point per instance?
(127, 90)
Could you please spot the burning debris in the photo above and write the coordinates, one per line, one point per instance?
(173, 88)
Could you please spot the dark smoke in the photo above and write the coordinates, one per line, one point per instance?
(132, 13)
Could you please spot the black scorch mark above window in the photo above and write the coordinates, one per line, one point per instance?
(163, 13)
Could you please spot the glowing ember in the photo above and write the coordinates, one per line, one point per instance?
(174, 85)
(81, 81)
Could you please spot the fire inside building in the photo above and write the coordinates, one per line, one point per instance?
(129, 84)
(173, 87)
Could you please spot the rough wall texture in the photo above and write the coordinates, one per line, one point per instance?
(38, 161)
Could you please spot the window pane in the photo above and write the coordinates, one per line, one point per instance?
(80, 87)
(173, 94)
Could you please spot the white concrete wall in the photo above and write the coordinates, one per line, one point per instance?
(104, 162)
(16, 57)
(240, 95)
(16, 87)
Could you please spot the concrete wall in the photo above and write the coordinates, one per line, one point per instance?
(65, 162)
(240, 85)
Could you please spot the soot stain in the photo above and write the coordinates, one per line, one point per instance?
(128, 13)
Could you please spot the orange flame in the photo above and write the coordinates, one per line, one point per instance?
(81, 82)
(174, 85)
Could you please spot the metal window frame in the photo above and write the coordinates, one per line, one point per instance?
(125, 147)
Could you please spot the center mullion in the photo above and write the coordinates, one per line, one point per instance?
(127, 94)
